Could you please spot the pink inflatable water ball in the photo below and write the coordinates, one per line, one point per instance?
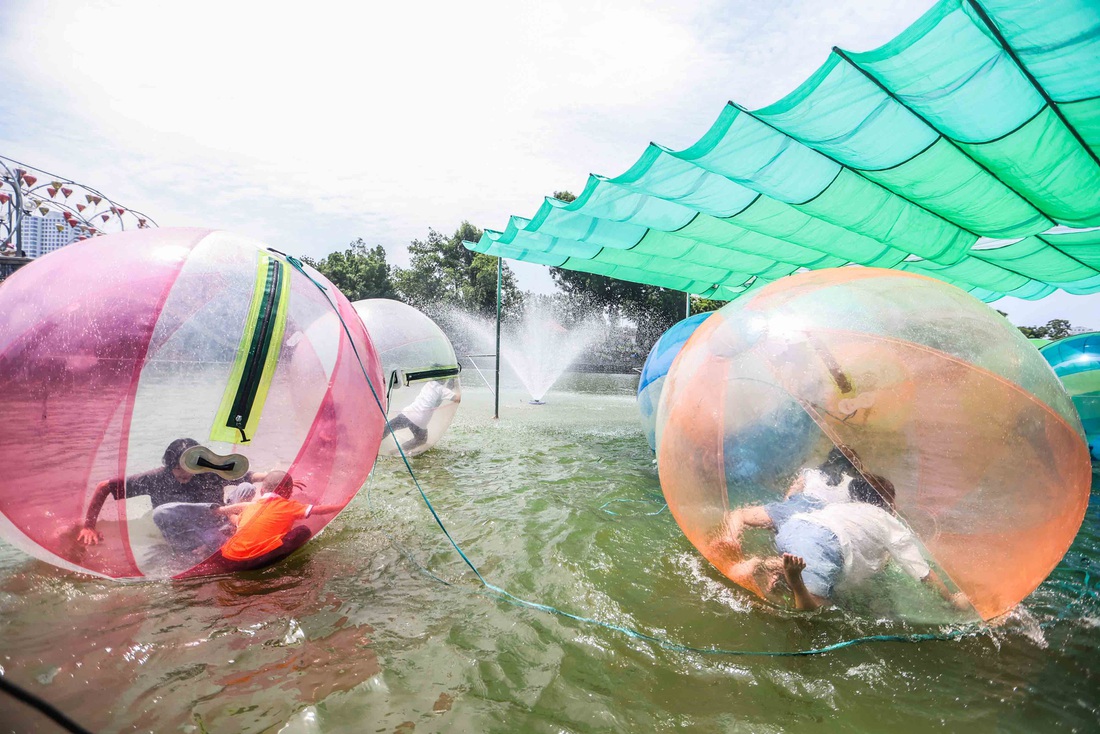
(153, 377)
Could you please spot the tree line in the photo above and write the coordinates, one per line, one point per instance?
(442, 274)
(1053, 330)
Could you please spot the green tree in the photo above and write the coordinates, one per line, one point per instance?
(442, 272)
(1058, 328)
(359, 271)
(705, 305)
(1054, 329)
(1034, 332)
(652, 308)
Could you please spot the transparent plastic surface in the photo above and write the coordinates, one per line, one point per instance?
(944, 417)
(116, 348)
(656, 366)
(1076, 361)
(414, 351)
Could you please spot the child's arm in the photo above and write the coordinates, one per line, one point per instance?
(231, 509)
(326, 509)
(905, 550)
(797, 486)
(88, 534)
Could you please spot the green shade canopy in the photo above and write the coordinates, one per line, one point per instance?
(966, 149)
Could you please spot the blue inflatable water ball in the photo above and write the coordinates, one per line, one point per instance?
(1076, 361)
(656, 367)
(749, 452)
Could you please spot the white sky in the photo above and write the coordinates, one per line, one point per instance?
(309, 124)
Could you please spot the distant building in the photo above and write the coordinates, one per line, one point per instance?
(1080, 330)
(42, 235)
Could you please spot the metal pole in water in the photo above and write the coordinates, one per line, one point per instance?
(496, 392)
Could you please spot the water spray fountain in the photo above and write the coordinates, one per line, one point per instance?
(538, 348)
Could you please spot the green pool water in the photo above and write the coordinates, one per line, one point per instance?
(351, 635)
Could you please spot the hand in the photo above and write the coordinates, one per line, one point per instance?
(89, 536)
(797, 486)
(960, 601)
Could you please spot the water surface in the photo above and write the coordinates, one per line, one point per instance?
(351, 635)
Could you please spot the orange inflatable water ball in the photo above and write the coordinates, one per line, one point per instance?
(873, 439)
(164, 386)
(421, 371)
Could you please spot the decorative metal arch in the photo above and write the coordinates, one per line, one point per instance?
(26, 190)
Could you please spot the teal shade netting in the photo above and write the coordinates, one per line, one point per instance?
(966, 149)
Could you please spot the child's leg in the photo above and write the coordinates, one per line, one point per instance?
(293, 540)
(812, 561)
(187, 525)
(420, 437)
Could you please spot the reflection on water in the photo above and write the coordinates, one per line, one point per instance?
(350, 636)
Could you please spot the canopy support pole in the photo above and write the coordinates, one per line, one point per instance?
(496, 392)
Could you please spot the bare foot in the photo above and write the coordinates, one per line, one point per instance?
(793, 566)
